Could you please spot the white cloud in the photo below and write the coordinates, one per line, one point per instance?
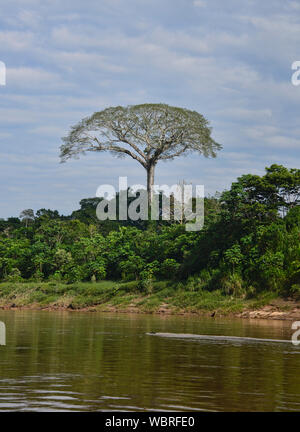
(15, 40)
(4, 135)
(34, 78)
(283, 142)
(228, 60)
(247, 114)
(82, 60)
(29, 18)
(48, 130)
(294, 5)
(199, 3)
(272, 137)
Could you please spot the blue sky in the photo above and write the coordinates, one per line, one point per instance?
(230, 61)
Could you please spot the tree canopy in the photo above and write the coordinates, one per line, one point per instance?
(147, 133)
(248, 244)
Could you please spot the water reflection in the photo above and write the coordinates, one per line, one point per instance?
(87, 361)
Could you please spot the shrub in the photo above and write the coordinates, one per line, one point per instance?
(14, 275)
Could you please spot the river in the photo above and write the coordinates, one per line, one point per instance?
(76, 361)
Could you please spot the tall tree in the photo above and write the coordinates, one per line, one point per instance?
(27, 216)
(147, 133)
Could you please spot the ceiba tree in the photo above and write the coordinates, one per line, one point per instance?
(147, 133)
(27, 216)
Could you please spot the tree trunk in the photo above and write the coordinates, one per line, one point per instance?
(150, 183)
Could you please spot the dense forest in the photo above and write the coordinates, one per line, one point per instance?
(250, 242)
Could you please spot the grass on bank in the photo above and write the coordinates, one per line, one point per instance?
(123, 295)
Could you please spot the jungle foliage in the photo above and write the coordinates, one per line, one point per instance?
(250, 243)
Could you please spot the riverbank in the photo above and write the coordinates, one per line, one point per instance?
(164, 298)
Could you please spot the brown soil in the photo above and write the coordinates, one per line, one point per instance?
(279, 309)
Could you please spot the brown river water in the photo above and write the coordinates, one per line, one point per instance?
(76, 361)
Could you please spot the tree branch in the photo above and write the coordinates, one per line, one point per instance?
(171, 156)
(117, 149)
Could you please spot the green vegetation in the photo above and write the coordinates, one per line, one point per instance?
(250, 245)
(108, 295)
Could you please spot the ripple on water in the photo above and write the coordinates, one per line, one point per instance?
(100, 362)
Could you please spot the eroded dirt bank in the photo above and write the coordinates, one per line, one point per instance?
(278, 309)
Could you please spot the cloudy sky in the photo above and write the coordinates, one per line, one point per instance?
(231, 61)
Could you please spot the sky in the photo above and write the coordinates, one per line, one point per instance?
(230, 61)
